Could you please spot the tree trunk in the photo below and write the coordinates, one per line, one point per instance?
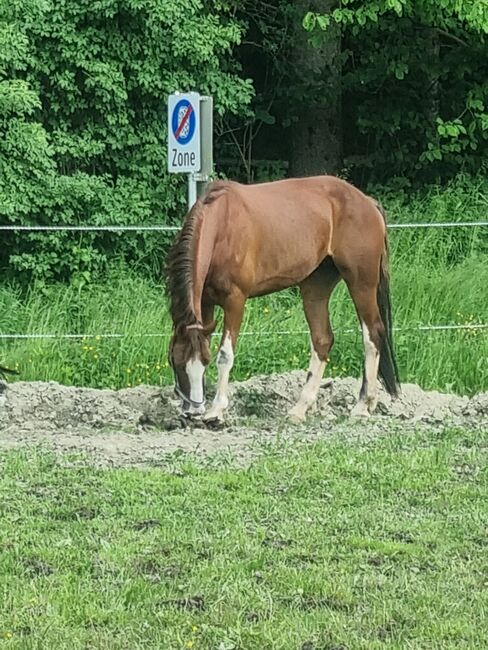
(432, 95)
(316, 139)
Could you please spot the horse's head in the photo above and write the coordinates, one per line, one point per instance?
(188, 356)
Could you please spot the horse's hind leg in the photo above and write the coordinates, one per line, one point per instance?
(316, 291)
(363, 292)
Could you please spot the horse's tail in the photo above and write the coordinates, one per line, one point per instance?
(388, 369)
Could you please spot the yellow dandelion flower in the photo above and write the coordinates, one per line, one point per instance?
(189, 644)
(194, 628)
(8, 635)
(95, 356)
(97, 337)
(158, 367)
(128, 371)
(129, 385)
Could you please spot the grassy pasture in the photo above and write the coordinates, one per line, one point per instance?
(446, 360)
(365, 545)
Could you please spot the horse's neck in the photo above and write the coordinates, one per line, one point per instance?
(204, 245)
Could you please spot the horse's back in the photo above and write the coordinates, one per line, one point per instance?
(301, 193)
(323, 205)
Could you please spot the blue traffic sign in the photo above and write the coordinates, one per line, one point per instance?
(184, 132)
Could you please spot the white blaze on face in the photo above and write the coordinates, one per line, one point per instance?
(195, 371)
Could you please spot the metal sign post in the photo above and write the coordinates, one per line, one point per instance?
(190, 130)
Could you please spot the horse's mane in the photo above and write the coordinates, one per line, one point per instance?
(181, 258)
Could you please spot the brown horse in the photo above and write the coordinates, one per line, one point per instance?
(240, 241)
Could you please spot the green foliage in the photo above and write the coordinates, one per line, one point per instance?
(83, 91)
(414, 84)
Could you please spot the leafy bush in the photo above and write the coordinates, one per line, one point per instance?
(83, 91)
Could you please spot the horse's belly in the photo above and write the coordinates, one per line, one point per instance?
(275, 276)
(271, 285)
(271, 256)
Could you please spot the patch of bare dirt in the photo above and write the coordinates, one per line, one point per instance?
(140, 426)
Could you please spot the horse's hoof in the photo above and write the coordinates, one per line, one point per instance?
(213, 415)
(295, 417)
(215, 423)
(360, 411)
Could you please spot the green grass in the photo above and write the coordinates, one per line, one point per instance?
(443, 360)
(367, 546)
(439, 276)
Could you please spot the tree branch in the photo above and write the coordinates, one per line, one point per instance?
(453, 37)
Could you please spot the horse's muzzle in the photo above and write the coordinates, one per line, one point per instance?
(189, 408)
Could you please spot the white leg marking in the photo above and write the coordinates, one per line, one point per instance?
(367, 402)
(195, 371)
(309, 393)
(225, 361)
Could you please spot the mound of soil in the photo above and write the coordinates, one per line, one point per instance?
(141, 425)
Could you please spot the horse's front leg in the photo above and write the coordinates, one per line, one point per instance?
(233, 312)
